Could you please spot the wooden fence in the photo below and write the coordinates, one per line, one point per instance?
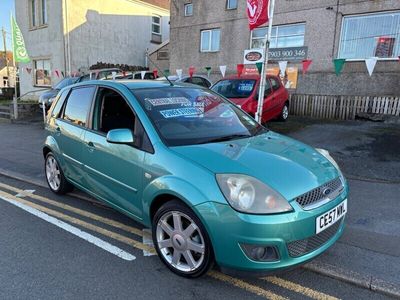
(342, 107)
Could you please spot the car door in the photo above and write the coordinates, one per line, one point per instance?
(279, 96)
(268, 101)
(114, 171)
(70, 128)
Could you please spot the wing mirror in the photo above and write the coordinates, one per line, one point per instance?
(120, 136)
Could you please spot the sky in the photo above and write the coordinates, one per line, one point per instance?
(5, 7)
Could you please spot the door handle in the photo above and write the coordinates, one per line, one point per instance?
(58, 130)
(90, 146)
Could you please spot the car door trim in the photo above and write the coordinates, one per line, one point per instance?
(110, 178)
(72, 159)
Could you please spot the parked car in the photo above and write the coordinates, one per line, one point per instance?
(147, 76)
(195, 79)
(244, 91)
(99, 74)
(211, 183)
(47, 97)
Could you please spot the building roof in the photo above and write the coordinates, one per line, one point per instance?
(160, 3)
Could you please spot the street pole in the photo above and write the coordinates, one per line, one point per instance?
(5, 56)
(265, 63)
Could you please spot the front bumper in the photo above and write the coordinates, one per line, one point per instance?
(228, 229)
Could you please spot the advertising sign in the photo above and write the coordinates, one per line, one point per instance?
(289, 54)
(253, 56)
(289, 79)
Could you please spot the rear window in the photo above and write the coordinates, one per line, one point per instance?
(235, 88)
(78, 105)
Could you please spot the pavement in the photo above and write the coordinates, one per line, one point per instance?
(368, 254)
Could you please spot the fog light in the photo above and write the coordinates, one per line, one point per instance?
(260, 252)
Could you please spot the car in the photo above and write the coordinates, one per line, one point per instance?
(195, 79)
(100, 74)
(211, 183)
(244, 91)
(47, 97)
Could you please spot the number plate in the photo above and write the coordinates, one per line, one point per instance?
(331, 217)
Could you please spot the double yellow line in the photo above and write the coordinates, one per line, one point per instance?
(139, 245)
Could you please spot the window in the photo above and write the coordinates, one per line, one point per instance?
(210, 40)
(275, 83)
(38, 13)
(188, 9)
(198, 81)
(365, 36)
(282, 36)
(32, 9)
(43, 10)
(78, 105)
(156, 25)
(231, 4)
(235, 88)
(267, 89)
(42, 72)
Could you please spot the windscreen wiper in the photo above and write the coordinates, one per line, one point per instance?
(228, 138)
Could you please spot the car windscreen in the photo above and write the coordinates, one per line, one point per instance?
(235, 88)
(65, 82)
(189, 116)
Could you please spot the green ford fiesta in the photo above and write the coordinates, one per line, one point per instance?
(212, 184)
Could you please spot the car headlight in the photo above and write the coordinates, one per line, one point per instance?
(249, 195)
(326, 154)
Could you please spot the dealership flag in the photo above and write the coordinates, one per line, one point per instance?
(179, 73)
(282, 67)
(306, 65)
(223, 70)
(142, 74)
(257, 13)
(20, 53)
(371, 62)
(208, 69)
(191, 71)
(339, 63)
(166, 72)
(259, 67)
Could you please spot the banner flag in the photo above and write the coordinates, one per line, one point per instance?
(191, 71)
(19, 49)
(282, 67)
(338, 64)
(155, 72)
(240, 68)
(371, 62)
(257, 12)
(208, 69)
(179, 73)
(306, 65)
(166, 72)
(223, 70)
(57, 73)
(142, 74)
(259, 67)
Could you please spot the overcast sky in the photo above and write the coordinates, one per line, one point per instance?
(5, 7)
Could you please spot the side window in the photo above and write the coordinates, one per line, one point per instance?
(149, 76)
(84, 78)
(58, 104)
(268, 88)
(275, 83)
(138, 76)
(78, 105)
(196, 80)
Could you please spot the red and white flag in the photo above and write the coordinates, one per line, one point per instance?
(257, 12)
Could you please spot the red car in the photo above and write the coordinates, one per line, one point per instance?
(243, 91)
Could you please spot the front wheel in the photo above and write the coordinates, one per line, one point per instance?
(55, 177)
(284, 113)
(181, 240)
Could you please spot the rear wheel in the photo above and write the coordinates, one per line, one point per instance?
(55, 177)
(181, 240)
(284, 113)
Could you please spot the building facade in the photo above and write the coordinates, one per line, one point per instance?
(214, 33)
(65, 37)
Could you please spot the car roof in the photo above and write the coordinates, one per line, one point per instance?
(133, 84)
(255, 77)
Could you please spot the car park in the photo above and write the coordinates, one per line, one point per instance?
(211, 183)
(244, 90)
(195, 79)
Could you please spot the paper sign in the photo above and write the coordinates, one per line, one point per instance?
(169, 101)
(179, 112)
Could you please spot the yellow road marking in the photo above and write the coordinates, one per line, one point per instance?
(245, 286)
(298, 288)
(74, 210)
(217, 275)
(113, 235)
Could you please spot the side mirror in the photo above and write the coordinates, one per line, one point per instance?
(120, 136)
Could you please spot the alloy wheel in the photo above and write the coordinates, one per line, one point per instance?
(53, 173)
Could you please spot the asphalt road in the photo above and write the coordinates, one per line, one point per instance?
(39, 260)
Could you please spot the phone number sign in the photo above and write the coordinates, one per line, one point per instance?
(292, 53)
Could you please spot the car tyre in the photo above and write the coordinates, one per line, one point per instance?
(181, 241)
(55, 177)
(284, 113)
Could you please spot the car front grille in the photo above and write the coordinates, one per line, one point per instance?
(302, 247)
(316, 196)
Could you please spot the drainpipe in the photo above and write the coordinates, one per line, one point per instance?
(67, 42)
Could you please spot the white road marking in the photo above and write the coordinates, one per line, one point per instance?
(148, 240)
(22, 195)
(74, 230)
